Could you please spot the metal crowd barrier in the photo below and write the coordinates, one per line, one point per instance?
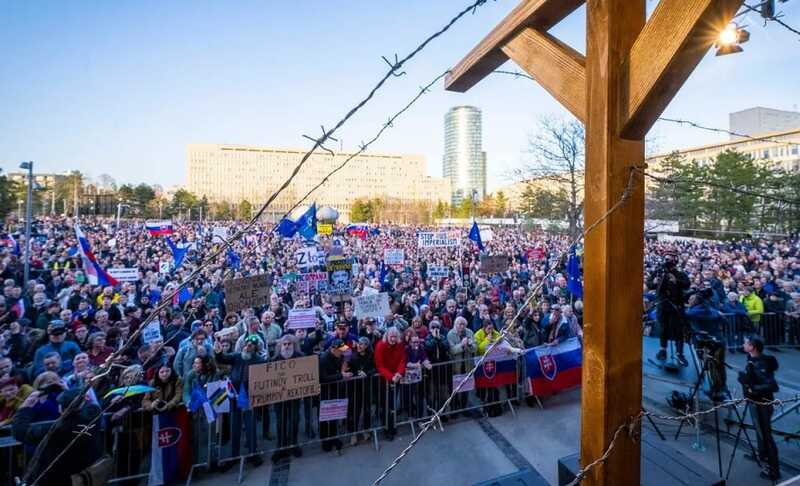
(778, 330)
(372, 407)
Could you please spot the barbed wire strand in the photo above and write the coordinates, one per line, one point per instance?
(519, 74)
(362, 148)
(318, 143)
(507, 328)
(774, 18)
(744, 192)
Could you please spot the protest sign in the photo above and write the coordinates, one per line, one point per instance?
(282, 380)
(124, 274)
(163, 268)
(152, 332)
(469, 385)
(339, 270)
(394, 256)
(486, 234)
(217, 393)
(242, 293)
(374, 305)
(306, 257)
(536, 253)
(438, 271)
(494, 263)
(226, 333)
(301, 318)
(413, 375)
(434, 239)
(332, 410)
(219, 233)
(324, 229)
(306, 282)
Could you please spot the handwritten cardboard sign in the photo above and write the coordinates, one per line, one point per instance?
(494, 263)
(278, 381)
(241, 293)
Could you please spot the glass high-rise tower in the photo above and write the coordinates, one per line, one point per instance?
(464, 158)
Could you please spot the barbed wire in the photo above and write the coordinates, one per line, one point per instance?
(736, 190)
(507, 328)
(774, 18)
(394, 70)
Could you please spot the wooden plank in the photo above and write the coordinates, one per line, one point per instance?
(672, 43)
(488, 56)
(560, 69)
(612, 360)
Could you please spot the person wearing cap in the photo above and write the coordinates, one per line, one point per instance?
(240, 362)
(12, 395)
(370, 330)
(49, 315)
(60, 458)
(56, 335)
(253, 329)
(331, 373)
(390, 361)
(342, 333)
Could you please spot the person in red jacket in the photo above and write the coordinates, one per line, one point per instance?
(390, 361)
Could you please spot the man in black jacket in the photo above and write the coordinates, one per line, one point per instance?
(759, 385)
(671, 285)
(330, 378)
(77, 457)
(240, 371)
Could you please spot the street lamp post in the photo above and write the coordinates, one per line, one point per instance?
(28, 219)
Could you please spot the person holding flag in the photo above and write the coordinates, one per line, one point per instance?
(94, 272)
(240, 366)
(475, 236)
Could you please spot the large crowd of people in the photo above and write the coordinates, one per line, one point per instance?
(56, 331)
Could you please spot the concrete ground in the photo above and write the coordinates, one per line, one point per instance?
(469, 450)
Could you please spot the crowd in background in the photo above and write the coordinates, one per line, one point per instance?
(58, 329)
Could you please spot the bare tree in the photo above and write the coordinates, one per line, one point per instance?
(557, 165)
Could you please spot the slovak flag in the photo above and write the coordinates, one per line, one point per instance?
(158, 228)
(554, 368)
(171, 450)
(497, 369)
(94, 272)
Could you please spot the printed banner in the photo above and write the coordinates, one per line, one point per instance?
(124, 274)
(332, 410)
(306, 257)
(301, 318)
(434, 239)
(152, 332)
(242, 293)
(219, 233)
(339, 271)
(438, 271)
(306, 282)
(413, 375)
(372, 305)
(282, 380)
(394, 256)
(324, 229)
(469, 385)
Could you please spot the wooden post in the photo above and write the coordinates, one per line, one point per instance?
(612, 373)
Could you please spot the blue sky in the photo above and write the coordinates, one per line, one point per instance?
(122, 87)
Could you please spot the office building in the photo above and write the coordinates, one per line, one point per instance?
(760, 120)
(234, 173)
(780, 149)
(464, 158)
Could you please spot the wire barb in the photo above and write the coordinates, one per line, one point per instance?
(394, 66)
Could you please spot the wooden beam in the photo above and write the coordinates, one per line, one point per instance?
(613, 273)
(488, 55)
(560, 69)
(672, 43)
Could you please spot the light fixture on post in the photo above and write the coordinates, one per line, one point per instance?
(730, 39)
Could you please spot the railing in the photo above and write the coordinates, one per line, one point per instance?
(373, 406)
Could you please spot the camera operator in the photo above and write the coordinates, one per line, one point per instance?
(759, 385)
(706, 322)
(671, 285)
